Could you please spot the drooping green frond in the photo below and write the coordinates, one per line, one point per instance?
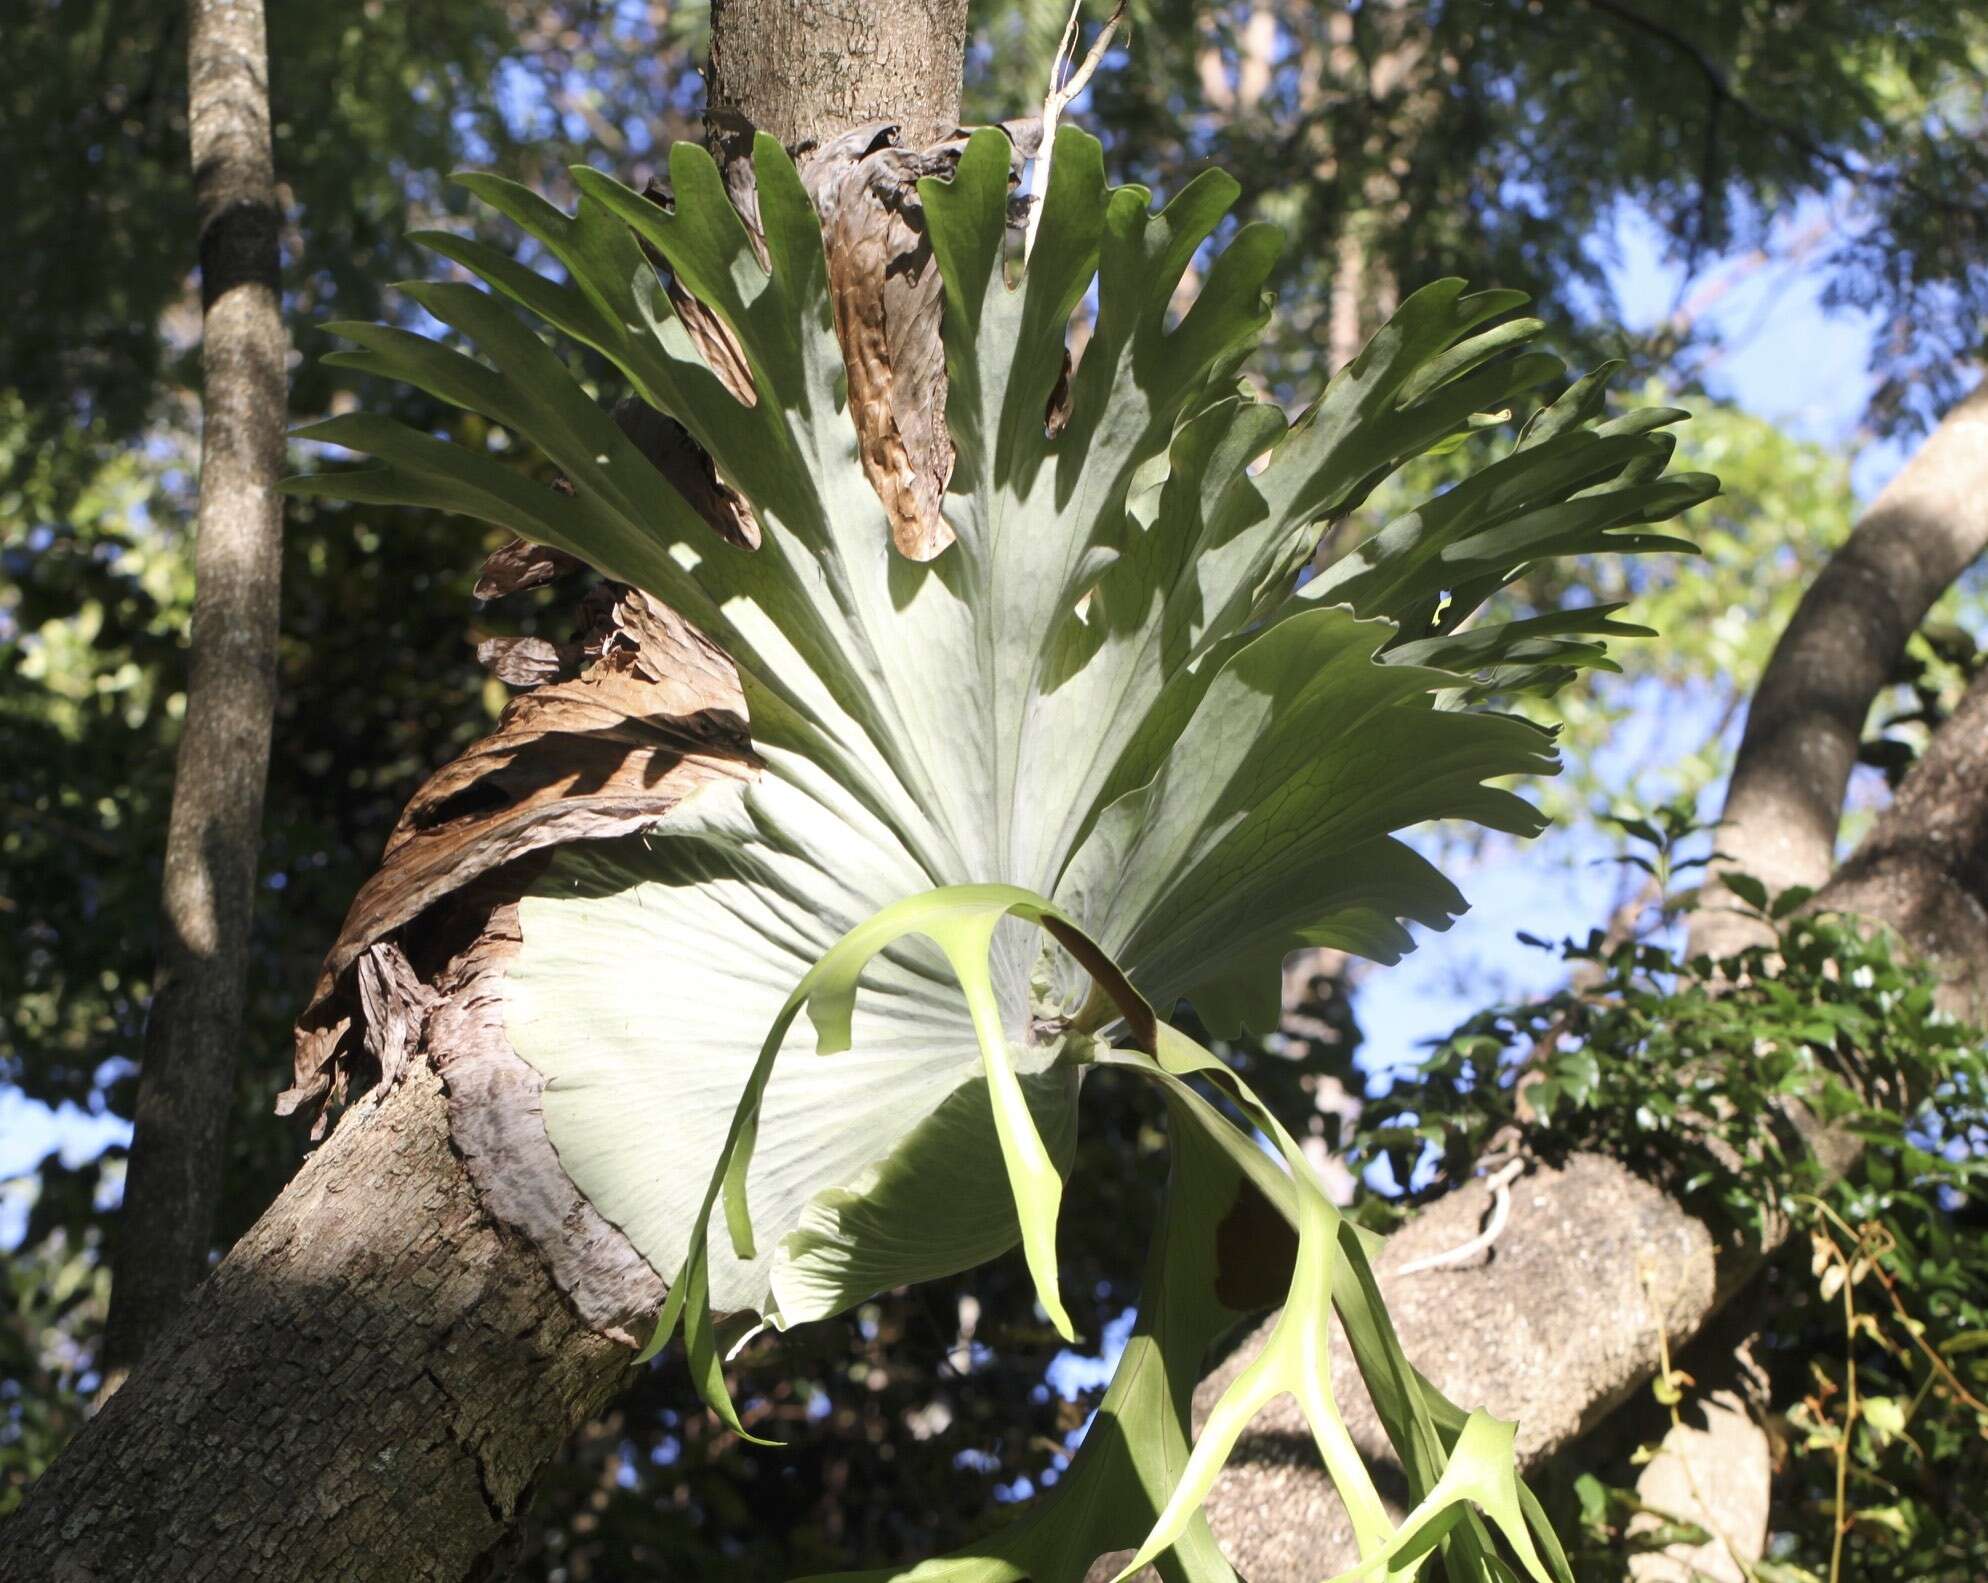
(1137, 1479)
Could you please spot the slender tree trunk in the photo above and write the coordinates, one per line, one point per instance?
(367, 1387)
(187, 1088)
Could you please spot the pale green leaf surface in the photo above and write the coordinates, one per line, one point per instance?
(1481, 1472)
(961, 922)
(638, 1102)
(1333, 1271)
(1104, 691)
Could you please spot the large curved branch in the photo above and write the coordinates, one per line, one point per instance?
(1560, 1323)
(1840, 651)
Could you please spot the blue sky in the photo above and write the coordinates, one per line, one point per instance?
(1786, 358)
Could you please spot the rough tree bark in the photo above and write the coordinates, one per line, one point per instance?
(1714, 1469)
(187, 1088)
(1595, 1260)
(365, 1389)
(805, 70)
(367, 1386)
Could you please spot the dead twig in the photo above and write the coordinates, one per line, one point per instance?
(1064, 85)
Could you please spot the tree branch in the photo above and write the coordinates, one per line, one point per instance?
(1572, 1278)
(1839, 652)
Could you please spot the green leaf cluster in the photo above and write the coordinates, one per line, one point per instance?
(1108, 708)
(1693, 1071)
(1638, 1061)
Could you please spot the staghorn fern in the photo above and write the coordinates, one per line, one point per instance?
(1098, 755)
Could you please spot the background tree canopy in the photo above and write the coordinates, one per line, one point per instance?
(1659, 177)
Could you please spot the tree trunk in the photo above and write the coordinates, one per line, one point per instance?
(365, 1388)
(1718, 1474)
(805, 70)
(1840, 650)
(187, 1088)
